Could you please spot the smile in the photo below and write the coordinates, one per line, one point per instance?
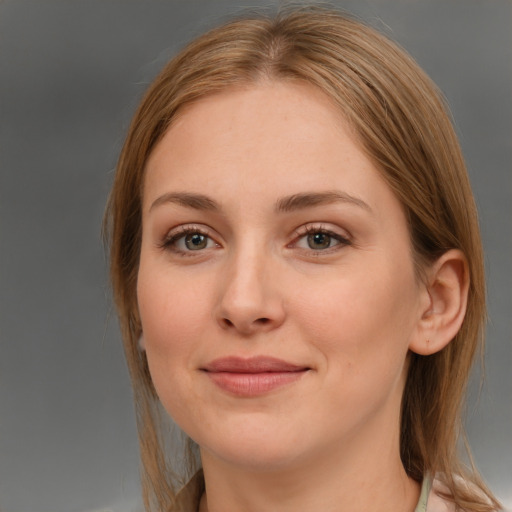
(254, 376)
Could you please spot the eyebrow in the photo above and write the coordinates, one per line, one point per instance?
(190, 200)
(285, 204)
(311, 199)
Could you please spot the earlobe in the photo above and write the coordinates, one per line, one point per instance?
(447, 288)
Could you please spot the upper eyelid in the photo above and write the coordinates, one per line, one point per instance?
(321, 227)
(188, 228)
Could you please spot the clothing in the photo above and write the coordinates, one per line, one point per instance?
(430, 501)
(189, 497)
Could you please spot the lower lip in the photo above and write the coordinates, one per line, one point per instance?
(253, 384)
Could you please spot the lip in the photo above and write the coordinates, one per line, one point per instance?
(253, 376)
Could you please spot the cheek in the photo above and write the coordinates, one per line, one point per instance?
(172, 308)
(172, 313)
(362, 319)
(364, 339)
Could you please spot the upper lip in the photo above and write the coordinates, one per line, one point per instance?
(257, 364)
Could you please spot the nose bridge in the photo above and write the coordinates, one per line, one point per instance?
(250, 300)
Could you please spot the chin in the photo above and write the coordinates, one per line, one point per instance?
(260, 449)
(254, 458)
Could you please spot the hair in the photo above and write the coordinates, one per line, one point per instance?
(403, 125)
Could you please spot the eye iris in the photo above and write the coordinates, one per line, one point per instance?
(196, 241)
(319, 241)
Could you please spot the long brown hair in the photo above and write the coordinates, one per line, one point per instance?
(403, 125)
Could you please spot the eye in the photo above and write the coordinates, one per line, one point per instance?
(320, 239)
(195, 241)
(188, 239)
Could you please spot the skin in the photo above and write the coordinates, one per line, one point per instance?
(350, 313)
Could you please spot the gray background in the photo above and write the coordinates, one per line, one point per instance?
(71, 74)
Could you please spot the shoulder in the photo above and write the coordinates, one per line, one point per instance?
(189, 497)
(436, 502)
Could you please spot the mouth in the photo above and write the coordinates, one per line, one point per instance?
(253, 376)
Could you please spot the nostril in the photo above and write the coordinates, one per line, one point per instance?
(227, 323)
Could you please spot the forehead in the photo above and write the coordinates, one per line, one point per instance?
(265, 131)
(254, 114)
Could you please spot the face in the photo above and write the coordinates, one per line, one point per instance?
(276, 286)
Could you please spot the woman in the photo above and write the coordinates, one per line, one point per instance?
(297, 266)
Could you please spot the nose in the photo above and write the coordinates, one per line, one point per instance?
(250, 300)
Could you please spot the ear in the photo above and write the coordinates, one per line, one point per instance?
(444, 305)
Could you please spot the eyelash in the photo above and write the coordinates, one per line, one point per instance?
(169, 243)
(316, 229)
